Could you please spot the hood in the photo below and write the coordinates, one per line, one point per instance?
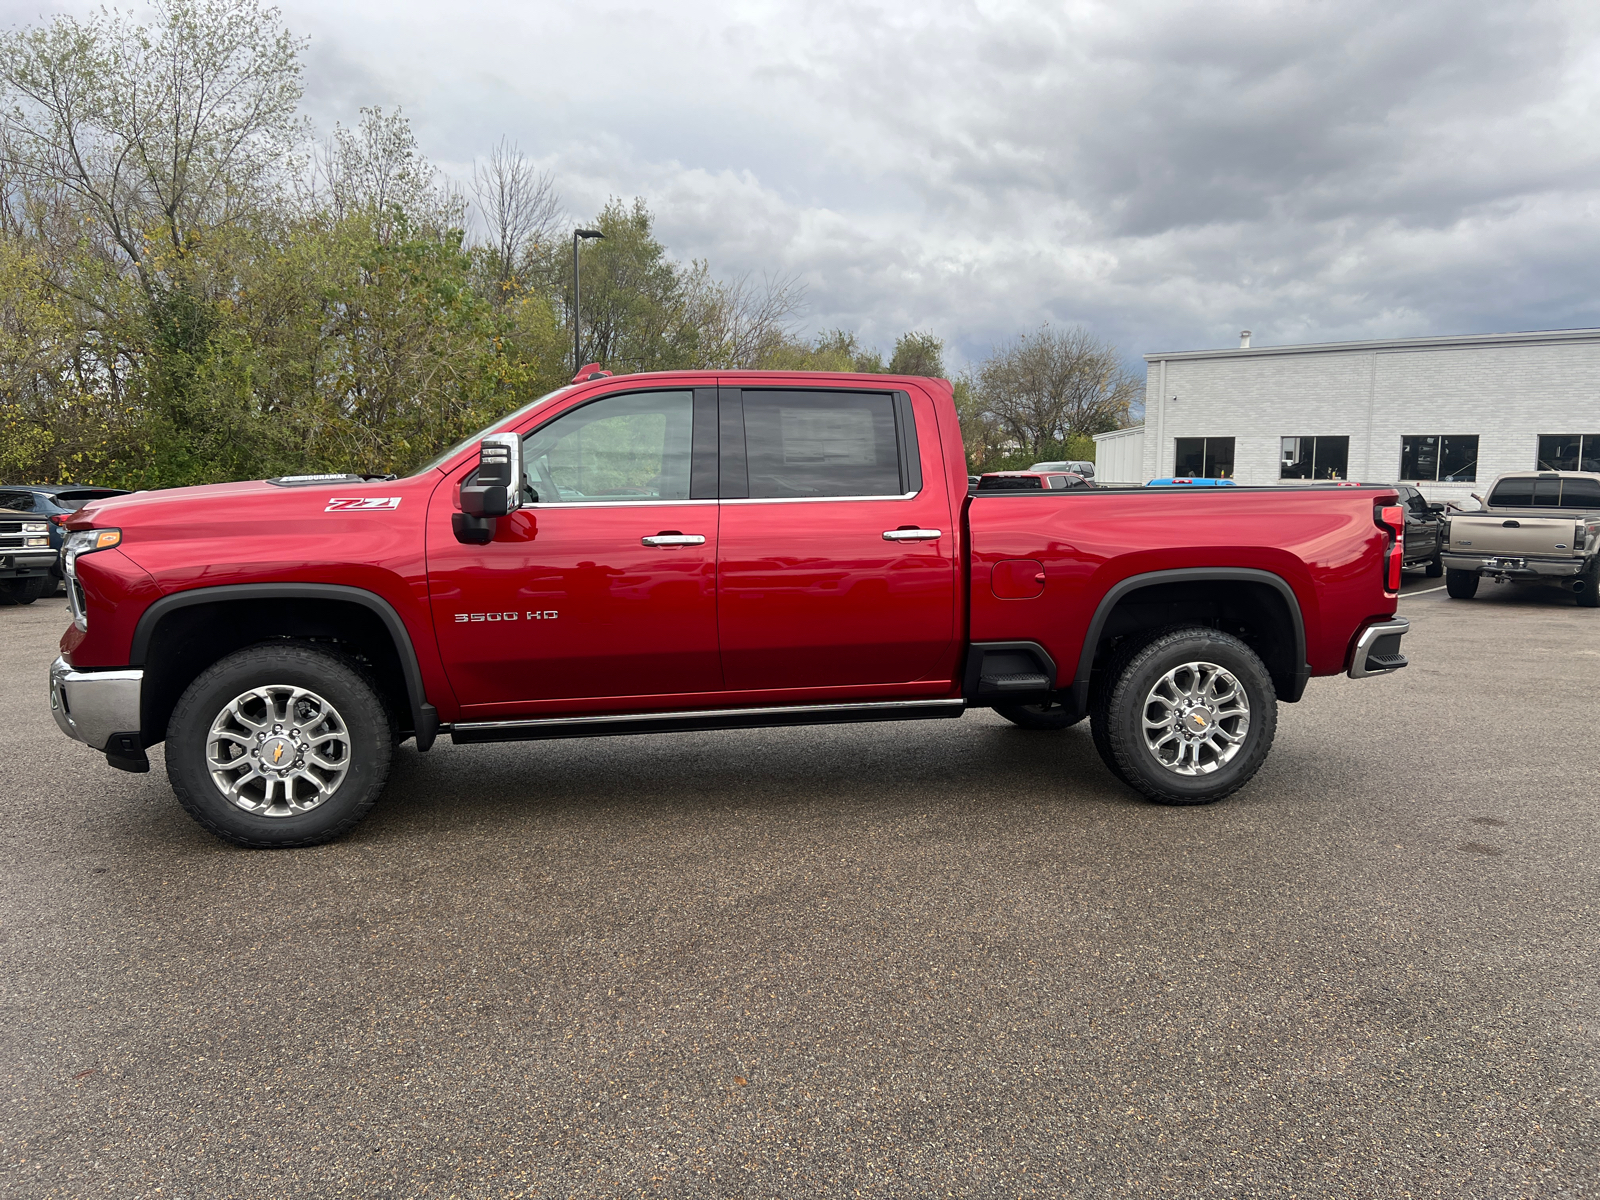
(252, 500)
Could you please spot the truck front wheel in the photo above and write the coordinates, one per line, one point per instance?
(1462, 585)
(1187, 717)
(22, 591)
(279, 746)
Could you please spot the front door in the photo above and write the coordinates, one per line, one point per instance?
(605, 584)
(836, 563)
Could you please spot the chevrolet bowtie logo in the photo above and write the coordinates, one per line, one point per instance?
(277, 752)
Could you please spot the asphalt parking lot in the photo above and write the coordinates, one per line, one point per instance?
(939, 958)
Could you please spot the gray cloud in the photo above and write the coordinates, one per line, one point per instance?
(1165, 172)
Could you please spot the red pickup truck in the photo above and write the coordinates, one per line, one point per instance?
(696, 551)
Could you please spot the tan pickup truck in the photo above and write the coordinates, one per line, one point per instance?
(1535, 527)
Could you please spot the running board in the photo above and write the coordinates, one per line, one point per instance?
(470, 732)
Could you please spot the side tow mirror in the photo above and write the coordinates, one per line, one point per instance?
(495, 491)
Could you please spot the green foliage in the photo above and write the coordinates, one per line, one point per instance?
(191, 291)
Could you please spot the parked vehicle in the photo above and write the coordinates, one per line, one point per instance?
(25, 557)
(1192, 481)
(1030, 481)
(700, 551)
(1535, 527)
(1423, 522)
(50, 501)
(1077, 467)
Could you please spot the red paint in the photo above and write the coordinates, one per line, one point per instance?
(1017, 578)
(786, 602)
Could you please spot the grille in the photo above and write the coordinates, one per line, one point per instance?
(10, 526)
(10, 543)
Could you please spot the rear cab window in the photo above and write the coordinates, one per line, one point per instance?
(1529, 492)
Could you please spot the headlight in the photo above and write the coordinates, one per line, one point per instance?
(35, 527)
(83, 541)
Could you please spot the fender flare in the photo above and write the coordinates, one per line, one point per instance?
(1302, 672)
(424, 717)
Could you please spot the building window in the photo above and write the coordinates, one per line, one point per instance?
(1569, 452)
(1442, 458)
(1315, 458)
(1203, 458)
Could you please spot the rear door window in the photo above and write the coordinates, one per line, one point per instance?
(808, 444)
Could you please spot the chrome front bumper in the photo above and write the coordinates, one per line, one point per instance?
(1376, 653)
(92, 705)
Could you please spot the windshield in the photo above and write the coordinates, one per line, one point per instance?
(485, 431)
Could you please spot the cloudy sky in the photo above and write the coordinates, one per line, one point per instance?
(1165, 173)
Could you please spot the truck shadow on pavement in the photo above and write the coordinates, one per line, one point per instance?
(975, 763)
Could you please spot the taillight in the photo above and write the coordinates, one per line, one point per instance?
(1393, 519)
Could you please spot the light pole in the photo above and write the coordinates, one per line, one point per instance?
(577, 351)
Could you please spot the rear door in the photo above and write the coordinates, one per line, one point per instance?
(836, 560)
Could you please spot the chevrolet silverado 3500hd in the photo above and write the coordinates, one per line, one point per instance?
(697, 551)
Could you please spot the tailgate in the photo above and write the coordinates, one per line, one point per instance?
(1519, 537)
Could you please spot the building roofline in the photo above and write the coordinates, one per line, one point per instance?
(1541, 336)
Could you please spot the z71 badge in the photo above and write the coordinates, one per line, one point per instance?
(361, 503)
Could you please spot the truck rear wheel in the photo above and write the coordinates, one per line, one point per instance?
(279, 746)
(1039, 716)
(1589, 595)
(1187, 717)
(1462, 585)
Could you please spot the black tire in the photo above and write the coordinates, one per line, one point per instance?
(1462, 585)
(365, 755)
(1435, 567)
(1039, 716)
(22, 591)
(1248, 705)
(1589, 597)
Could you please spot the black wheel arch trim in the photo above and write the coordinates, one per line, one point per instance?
(1289, 690)
(424, 717)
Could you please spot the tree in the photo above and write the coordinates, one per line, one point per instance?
(1041, 391)
(378, 169)
(739, 323)
(918, 354)
(157, 133)
(521, 215)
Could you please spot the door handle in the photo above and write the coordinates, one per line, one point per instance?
(912, 535)
(669, 538)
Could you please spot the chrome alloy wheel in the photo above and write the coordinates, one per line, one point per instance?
(1196, 718)
(278, 750)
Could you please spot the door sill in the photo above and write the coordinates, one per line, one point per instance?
(472, 732)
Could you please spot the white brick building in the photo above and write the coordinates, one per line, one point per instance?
(1448, 413)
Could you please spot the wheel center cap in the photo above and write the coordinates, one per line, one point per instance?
(1197, 720)
(278, 752)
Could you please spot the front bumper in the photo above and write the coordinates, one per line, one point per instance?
(91, 706)
(1531, 568)
(1377, 650)
(34, 562)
